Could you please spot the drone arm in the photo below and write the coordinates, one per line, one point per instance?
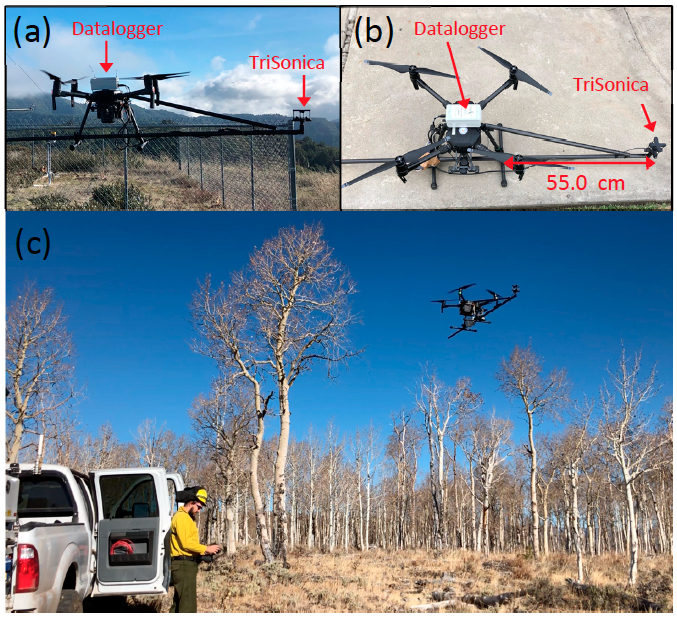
(500, 304)
(494, 94)
(431, 155)
(185, 108)
(428, 89)
(559, 140)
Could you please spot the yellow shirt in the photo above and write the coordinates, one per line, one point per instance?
(184, 539)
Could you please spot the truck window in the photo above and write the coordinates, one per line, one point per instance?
(128, 496)
(44, 496)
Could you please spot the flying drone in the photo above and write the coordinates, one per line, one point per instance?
(459, 133)
(473, 311)
(111, 100)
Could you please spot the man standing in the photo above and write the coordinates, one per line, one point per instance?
(185, 548)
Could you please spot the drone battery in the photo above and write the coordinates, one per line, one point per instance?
(459, 116)
(104, 83)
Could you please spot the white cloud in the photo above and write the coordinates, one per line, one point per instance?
(217, 63)
(70, 56)
(254, 91)
(332, 44)
(253, 22)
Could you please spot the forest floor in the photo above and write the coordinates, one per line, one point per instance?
(382, 581)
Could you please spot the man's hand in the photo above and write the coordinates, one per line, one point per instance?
(212, 549)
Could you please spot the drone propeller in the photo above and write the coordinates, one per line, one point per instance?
(409, 157)
(152, 86)
(496, 296)
(58, 82)
(405, 68)
(56, 78)
(159, 76)
(519, 74)
(463, 287)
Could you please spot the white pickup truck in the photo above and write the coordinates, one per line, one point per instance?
(62, 541)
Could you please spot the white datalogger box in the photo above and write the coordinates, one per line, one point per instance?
(459, 116)
(105, 83)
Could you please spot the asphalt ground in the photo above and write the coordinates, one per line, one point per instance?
(383, 116)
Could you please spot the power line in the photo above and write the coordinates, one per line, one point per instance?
(26, 74)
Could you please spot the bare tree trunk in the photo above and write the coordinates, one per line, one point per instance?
(534, 496)
(573, 478)
(661, 528)
(632, 525)
(280, 502)
(259, 510)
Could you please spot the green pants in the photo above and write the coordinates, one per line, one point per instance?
(184, 579)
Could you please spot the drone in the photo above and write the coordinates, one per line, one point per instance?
(473, 311)
(111, 100)
(459, 132)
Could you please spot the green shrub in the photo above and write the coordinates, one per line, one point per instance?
(75, 162)
(53, 201)
(112, 197)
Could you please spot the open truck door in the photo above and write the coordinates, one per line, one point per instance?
(133, 521)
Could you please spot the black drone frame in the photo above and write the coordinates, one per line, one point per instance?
(467, 149)
(473, 311)
(113, 104)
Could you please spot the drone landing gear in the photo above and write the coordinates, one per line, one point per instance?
(499, 148)
(433, 184)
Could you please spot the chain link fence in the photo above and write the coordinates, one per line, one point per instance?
(172, 173)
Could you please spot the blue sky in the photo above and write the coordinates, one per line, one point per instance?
(213, 43)
(588, 281)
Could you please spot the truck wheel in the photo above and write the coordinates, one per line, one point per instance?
(70, 603)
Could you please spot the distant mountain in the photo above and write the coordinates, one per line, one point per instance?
(319, 130)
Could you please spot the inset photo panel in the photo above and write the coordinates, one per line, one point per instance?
(504, 108)
(172, 108)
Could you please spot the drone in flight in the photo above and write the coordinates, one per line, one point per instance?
(111, 100)
(459, 132)
(474, 311)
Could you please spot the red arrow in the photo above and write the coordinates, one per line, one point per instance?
(652, 125)
(106, 65)
(463, 102)
(648, 162)
(304, 99)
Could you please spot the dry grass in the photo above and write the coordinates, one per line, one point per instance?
(379, 581)
(317, 190)
(169, 188)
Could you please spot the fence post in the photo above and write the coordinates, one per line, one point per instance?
(188, 142)
(223, 186)
(126, 188)
(201, 185)
(49, 163)
(32, 150)
(251, 163)
(292, 169)
(178, 148)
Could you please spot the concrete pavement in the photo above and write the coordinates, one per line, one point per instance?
(383, 116)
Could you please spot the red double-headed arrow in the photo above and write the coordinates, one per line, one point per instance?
(648, 162)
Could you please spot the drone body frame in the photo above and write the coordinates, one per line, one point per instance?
(466, 146)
